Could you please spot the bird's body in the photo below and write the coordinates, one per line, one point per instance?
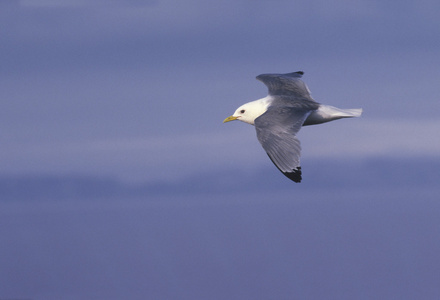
(280, 115)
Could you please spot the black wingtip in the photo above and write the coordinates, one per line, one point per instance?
(295, 74)
(295, 175)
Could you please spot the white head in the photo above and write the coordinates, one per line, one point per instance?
(248, 112)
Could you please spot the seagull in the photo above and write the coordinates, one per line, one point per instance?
(280, 115)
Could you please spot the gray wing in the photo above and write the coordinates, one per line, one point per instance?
(288, 84)
(276, 131)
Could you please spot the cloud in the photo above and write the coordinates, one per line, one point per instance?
(84, 3)
(374, 138)
(173, 157)
(84, 34)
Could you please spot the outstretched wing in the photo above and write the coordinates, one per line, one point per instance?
(276, 131)
(288, 84)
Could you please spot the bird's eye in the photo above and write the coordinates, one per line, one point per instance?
(242, 111)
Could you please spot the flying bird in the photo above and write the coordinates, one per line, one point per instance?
(281, 114)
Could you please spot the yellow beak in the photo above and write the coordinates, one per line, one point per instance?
(231, 118)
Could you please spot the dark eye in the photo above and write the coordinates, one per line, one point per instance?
(242, 111)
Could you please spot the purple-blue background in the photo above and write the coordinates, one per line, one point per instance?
(119, 181)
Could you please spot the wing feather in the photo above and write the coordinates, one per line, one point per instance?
(286, 84)
(276, 132)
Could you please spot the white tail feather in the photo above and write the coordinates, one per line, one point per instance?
(327, 113)
(352, 112)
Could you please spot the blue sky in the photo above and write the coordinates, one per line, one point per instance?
(120, 180)
(121, 87)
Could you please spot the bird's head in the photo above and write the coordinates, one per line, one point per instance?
(248, 112)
